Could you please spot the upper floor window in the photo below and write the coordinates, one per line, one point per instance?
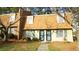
(12, 17)
(60, 19)
(29, 19)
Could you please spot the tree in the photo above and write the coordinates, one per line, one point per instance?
(41, 10)
(5, 28)
(75, 12)
(7, 9)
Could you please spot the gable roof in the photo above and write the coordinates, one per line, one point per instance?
(48, 22)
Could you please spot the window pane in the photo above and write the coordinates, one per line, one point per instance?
(12, 18)
(41, 35)
(59, 33)
(29, 19)
(30, 33)
(65, 33)
(48, 35)
(60, 19)
(42, 32)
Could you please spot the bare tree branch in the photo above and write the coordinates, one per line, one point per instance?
(2, 24)
(64, 18)
(15, 21)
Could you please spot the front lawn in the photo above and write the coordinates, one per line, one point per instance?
(20, 46)
(63, 46)
(6, 46)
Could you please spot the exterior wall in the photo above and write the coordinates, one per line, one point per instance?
(69, 36)
(53, 36)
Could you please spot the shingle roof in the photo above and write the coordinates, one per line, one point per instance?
(48, 22)
(5, 18)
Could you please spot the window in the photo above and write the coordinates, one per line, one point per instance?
(29, 19)
(60, 19)
(12, 17)
(12, 30)
(30, 33)
(65, 33)
(59, 33)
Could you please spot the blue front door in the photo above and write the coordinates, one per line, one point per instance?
(48, 35)
(42, 35)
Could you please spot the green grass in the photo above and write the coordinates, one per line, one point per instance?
(20, 46)
(32, 46)
(53, 49)
(6, 47)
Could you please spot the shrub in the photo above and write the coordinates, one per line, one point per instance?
(12, 36)
(35, 39)
(1, 36)
(74, 38)
(28, 39)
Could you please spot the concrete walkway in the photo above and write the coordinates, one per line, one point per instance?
(43, 47)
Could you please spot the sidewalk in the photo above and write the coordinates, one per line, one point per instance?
(43, 47)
